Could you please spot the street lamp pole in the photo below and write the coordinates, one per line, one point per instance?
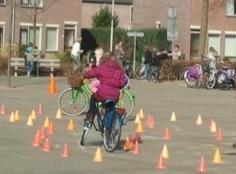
(112, 25)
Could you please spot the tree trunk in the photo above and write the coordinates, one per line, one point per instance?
(204, 27)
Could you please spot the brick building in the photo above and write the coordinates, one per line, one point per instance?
(58, 23)
(123, 9)
(221, 23)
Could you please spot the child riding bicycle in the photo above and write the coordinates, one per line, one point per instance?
(111, 79)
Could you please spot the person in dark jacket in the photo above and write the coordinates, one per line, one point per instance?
(148, 63)
(112, 79)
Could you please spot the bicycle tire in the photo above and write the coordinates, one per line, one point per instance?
(111, 137)
(84, 136)
(189, 83)
(126, 101)
(210, 84)
(70, 107)
(140, 72)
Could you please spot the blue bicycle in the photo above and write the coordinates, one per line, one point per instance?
(108, 121)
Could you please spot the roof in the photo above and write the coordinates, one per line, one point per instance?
(126, 2)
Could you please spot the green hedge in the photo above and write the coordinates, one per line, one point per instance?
(152, 37)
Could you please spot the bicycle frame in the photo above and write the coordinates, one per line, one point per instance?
(87, 90)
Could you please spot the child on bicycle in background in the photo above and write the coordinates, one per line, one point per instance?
(111, 77)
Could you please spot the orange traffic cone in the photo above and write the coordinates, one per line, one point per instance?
(164, 152)
(52, 89)
(51, 129)
(202, 168)
(40, 109)
(59, 114)
(126, 146)
(137, 137)
(173, 117)
(12, 118)
(17, 116)
(47, 146)
(161, 163)
(75, 109)
(30, 121)
(2, 110)
(46, 123)
(43, 135)
(219, 134)
(136, 149)
(65, 152)
(213, 126)
(71, 125)
(166, 134)
(139, 128)
(152, 123)
(98, 155)
(37, 139)
(137, 119)
(217, 157)
(33, 115)
(141, 114)
(199, 120)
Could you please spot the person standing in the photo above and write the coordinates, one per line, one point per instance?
(75, 53)
(119, 52)
(176, 54)
(148, 63)
(29, 59)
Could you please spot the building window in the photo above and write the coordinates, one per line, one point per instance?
(27, 35)
(69, 36)
(52, 39)
(214, 41)
(2, 2)
(195, 35)
(231, 8)
(230, 42)
(1, 36)
(32, 3)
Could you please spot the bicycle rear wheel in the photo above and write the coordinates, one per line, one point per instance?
(140, 72)
(111, 137)
(126, 101)
(73, 102)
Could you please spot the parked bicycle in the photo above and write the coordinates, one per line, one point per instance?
(74, 101)
(108, 124)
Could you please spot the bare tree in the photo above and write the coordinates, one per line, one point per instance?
(204, 27)
(35, 4)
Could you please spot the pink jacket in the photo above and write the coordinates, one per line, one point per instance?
(111, 78)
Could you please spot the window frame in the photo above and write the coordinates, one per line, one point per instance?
(230, 12)
(3, 4)
(31, 6)
(2, 25)
(229, 34)
(57, 37)
(28, 26)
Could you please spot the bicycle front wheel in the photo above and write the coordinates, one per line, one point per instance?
(73, 102)
(111, 137)
(126, 101)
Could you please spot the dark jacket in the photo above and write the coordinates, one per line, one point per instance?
(148, 57)
(111, 78)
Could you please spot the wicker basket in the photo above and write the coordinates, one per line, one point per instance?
(75, 79)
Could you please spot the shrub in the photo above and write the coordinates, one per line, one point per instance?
(3, 64)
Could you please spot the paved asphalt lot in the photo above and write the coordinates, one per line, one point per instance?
(187, 144)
